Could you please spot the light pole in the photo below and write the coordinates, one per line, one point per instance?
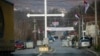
(45, 40)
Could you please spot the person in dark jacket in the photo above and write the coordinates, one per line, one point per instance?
(90, 38)
(74, 40)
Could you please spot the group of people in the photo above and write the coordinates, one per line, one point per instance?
(69, 40)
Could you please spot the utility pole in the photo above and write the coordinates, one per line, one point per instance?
(34, 31)
(96, 24)
(79, 28)
(83, 27)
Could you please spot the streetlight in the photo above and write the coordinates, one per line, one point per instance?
(45, 40)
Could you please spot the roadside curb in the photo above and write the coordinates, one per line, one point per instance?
(93, 52)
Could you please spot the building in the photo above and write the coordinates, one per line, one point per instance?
(6, 26)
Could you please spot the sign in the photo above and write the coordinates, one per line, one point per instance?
(60, 28)
(55, 23)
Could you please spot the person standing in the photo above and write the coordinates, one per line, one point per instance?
(74, 41)
(90, 38)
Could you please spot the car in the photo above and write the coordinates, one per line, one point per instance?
(56, 37)
(19, 44)
(51, 38)
(84, 42)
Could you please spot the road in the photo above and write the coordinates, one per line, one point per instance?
(58, 51)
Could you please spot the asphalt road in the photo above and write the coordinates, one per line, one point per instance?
(69, 52)
(58, 51)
